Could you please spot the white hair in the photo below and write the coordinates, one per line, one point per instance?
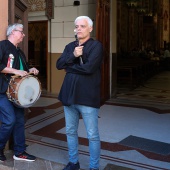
(90, 22)
(13, 27)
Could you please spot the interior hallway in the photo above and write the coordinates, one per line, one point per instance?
(134, 131)
(155, 92)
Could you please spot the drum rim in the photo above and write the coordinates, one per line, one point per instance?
(16, 101)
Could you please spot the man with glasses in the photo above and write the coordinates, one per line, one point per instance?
(13, 62)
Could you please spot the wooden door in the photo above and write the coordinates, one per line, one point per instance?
(18, 13)
(103, 35)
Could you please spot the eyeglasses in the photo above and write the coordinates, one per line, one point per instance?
(20, 31)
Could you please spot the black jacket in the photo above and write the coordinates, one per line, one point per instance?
(7, 48)
(81, 84)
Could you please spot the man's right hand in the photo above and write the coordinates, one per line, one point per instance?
(21, 73)
(78, 51)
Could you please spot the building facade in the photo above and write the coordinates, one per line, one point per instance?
(121, 25)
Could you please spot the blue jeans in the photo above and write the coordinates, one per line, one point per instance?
(12, 123)
(90, 118)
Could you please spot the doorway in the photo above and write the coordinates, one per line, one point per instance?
(37, 49)
(103, 26)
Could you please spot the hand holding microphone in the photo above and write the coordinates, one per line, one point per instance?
(78, 51)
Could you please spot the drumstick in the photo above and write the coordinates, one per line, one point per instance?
(16, 75)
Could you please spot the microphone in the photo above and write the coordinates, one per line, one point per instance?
(80, 57)
(75, 34)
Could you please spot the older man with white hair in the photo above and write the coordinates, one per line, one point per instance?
(80, 92)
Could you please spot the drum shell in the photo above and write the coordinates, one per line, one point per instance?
(15, 85)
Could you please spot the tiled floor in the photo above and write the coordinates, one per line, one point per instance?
(142, 114)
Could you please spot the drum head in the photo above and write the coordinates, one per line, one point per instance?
(29, 91)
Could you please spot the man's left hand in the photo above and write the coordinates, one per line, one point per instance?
(34, 70)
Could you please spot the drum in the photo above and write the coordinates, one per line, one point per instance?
(24, 91)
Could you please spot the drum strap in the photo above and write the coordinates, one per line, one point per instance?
(5, 78)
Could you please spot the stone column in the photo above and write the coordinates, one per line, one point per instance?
(3, 26)
(3, 18)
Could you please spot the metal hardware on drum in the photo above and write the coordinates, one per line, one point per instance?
(12, 92)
